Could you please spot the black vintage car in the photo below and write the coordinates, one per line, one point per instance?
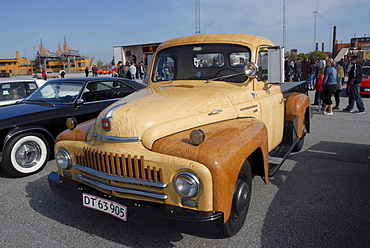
(28, 129)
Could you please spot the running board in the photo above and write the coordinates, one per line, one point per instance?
(278, 156)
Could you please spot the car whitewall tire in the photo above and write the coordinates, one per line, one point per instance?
(25, 154)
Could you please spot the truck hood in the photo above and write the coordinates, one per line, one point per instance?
(158, 111)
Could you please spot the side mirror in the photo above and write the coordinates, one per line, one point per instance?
(251, 70)
(79, 102)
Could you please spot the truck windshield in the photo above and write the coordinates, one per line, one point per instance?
(201, 62)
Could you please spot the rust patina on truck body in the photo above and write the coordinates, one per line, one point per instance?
(181, 153)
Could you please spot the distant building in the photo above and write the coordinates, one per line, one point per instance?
(16, 66)
(358, 46)
(66, 59)
(135, 53)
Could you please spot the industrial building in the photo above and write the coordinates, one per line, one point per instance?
(64, 58)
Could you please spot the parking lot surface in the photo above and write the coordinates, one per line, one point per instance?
(319, 198)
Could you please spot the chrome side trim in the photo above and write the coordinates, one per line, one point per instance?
(110, 112)
(108, 138)
(215, 112)
(151, 194)
(119, 179)
(250, 107)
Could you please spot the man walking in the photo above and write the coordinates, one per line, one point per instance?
(354, 81)
(133, 71)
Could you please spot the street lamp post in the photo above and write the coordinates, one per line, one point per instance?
(314, 31)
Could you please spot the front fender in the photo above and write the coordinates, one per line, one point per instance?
(77, 134)
(19, 130)
(226, 146)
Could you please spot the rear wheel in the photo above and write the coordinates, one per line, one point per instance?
(300, 143)
(25, 154)
(241, 201)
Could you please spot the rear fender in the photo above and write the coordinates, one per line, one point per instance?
(298, 104)
(226, 146)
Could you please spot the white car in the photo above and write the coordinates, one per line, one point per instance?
(49, 74)
(14, 90)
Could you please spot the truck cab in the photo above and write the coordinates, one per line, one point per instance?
(182, 152)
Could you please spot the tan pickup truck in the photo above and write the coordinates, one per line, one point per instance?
(182, 153)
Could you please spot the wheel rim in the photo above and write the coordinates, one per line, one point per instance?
(241, 198)
(28, 154)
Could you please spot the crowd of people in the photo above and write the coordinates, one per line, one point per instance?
(327, 78)
(131, 71)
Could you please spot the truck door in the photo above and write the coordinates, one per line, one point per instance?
(268, 91)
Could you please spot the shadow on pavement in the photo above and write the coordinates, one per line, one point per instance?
(94, 222)
(324, 201)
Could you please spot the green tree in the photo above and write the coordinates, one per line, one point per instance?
(302, 56)
(291, 55)
(317, 55)
(99, 64)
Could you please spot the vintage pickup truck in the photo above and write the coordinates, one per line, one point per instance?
(182, 153)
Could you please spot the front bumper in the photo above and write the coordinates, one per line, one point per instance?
(364, 90)
(155, 214)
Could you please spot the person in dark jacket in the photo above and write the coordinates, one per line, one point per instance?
(304, 67)
(354, 81)
(287, 69)
(297, 70)
(312, 74)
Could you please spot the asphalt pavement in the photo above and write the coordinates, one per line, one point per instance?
(319, 198)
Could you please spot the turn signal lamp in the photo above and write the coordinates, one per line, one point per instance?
(71, 123)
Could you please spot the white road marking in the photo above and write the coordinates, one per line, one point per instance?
(332, 153)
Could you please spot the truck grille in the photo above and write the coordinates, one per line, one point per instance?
(118, 165)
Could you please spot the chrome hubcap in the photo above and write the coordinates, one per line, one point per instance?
(28, 154)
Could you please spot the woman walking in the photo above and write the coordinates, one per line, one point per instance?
(329, 85)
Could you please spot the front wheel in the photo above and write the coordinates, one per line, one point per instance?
(25, 154)
(241, 201)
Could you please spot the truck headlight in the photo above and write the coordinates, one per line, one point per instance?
(187, 184)
(63, 159)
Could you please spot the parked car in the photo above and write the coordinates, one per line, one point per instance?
(102, 71)
(28, 129)
(13, 90)
(49, 74)
(365, 85)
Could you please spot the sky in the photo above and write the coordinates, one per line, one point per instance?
(94, 27)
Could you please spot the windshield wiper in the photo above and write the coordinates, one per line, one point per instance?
(41, 101)
(224, 77)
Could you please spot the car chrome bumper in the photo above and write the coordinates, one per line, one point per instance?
(155, 214)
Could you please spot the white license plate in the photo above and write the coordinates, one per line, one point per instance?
(367, 89)
(105, 206)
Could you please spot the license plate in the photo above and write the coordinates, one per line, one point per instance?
(105, 206)
(367, 89)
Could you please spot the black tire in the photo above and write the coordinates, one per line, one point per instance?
(25, 154)
(241, 201)
(300, 143)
